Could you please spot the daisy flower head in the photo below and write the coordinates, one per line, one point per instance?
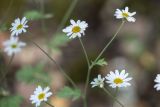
(19, 26)
(99, 81)
(40, 95)
(125, 14)
(76, 29)
(13, 46)
(157, 80)
(118, 79)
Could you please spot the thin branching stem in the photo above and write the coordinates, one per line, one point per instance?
(92, 65)
(88, 73)
(85, 52)
(59, 67)
(112, 96)
(86, 85)
(107, 45)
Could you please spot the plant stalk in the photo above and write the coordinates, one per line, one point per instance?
(113, 97)
(49, 104)
(107, 45)
(59, 67)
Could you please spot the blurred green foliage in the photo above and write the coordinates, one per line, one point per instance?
(59, 40)
(35, 75)
(36, 15)
(11, 101)
(3, 27)
(68, 92)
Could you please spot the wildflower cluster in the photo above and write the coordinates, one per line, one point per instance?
(116, 79)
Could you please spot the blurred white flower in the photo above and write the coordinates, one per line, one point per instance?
(40, 95)
(13, 46)
(118, 79)
(125, 14)
(76, 29)
(19, 26)
(99, 81)
(157, 80)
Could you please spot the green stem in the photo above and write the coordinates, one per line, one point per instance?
(87, 81)
(49, 104)
(107, 45)
(7, 68)
(67, 15)
(113, 97)
(59, 67)
(85, 52)
(84, 101)
(116, 91)
(86, 85)
(88, 73)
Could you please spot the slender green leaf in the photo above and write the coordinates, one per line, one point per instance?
(36, 15)
(101, 62)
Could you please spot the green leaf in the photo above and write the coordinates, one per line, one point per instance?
(36, 15)
(58, 41)
(11, 101)
(68, 92)
(29, 74)
(101, 62)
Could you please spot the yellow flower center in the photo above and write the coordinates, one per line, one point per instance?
(76, 29)
(19, 26)
(41, 96)
(118, 81)
(125, 15)
(14, 46)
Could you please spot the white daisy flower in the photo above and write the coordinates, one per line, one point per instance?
(99, 81)
(40, 95)
(19, 26)
(157, 80)
(118, 79)
(125, 14)
(13, 46)
(76, 29)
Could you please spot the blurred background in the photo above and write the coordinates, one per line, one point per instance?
(136, 49)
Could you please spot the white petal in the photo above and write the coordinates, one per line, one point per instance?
(132, 14)
(72, 22)
(126, 9)
(131, 19)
